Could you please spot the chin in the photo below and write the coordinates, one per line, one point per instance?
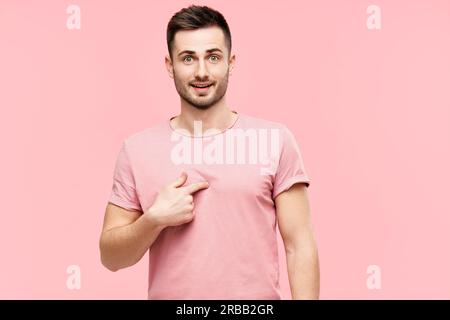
(202, 107)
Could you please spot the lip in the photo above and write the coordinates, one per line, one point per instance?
(201, 90)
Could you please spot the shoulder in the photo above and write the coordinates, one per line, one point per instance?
(146, 135)
(273, 128)
(142, 141)
(247, 121)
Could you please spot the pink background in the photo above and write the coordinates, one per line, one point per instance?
(370, 110)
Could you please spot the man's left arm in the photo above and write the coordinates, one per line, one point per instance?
(294, 222)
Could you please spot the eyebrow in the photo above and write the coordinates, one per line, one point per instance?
(193, 52)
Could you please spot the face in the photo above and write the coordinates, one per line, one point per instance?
(200, 66)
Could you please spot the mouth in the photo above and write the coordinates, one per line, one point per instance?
(201, 87)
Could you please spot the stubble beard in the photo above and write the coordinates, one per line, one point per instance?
(197, 101)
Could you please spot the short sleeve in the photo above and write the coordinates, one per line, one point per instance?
(123, 192)
(290, 168)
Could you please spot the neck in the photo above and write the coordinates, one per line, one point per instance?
(218, 116)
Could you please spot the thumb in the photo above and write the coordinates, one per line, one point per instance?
(180, 180)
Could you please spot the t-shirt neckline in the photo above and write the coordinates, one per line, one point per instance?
(180, 131)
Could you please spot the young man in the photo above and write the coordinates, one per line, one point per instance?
(205, 208)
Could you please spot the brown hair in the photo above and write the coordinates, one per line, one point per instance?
(196, 17)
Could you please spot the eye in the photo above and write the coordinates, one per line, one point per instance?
(190, 57)
(217, 58)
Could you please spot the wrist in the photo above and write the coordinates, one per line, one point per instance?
(151, 217)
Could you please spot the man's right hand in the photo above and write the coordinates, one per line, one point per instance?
(174, 204)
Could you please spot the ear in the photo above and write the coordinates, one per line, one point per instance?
(231, 63)
(169, 65)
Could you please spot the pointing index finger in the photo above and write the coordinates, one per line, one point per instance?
(194, 187)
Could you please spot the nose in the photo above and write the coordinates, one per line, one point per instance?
(201, 71)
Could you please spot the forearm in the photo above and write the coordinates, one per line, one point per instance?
(303, 270)
(124, 246)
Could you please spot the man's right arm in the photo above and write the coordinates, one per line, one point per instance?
(128, 234)
(126, 237)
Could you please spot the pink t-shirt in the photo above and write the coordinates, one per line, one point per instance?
(229, 249)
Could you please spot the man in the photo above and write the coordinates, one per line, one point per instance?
(209, 218)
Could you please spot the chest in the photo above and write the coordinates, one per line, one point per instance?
(228, 181)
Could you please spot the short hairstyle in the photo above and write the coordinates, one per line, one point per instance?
(196, 17)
